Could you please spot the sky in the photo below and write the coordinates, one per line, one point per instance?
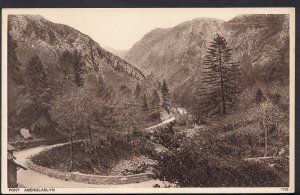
(120, 28)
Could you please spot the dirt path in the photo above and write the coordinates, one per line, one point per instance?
(162, 123)
(30, 178)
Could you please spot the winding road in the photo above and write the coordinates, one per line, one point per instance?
(29, 178)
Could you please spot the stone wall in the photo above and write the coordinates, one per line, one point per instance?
(88, 178)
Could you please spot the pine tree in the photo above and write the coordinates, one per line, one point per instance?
(145, 103)
(165, 96)
(159, 85)
(40, 93)
(66, 62)
(101, 87)
(258, 96)
(12, 60)
(137, 90)
(220, 85)
(36, 73)
(155, 99)
(78, 66)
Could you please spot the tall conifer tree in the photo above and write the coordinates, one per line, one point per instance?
(39, 93)
(220, 84)
(78, 66)
(165, 96)
(155, 99)
(145, 103)
(137, 90)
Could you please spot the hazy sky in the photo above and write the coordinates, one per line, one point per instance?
(120, 28)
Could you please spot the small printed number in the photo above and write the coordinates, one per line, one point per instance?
(284, 189)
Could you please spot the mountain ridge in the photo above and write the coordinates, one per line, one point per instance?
(177, 53)
(39, 22)
(109, 81)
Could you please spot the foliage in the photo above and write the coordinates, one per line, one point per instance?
(165, 97)
(145, 103)
(220, 85)
(66, 62)
(39, 97)
(37, 75)
(155, 99)
(12, 60)
(104, 91)
(185, 120)
(268, 117)
(190, 167)
(81, 108)
(137, 90)
(78, 108)
(69, 60)
(258, 96)
(167, 137)
(78, 66)
(98, 159)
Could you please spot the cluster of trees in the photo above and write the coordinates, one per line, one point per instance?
(210, 161)
(216, 157)
(40, 86)
(157, 100)
(12, 60)
(88, 109)
(201, 168)
(39, 96)
(72, 62)
(220, 91)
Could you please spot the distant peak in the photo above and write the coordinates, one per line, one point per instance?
(200, 20)
(33, 16)
(156, 30)
(207, 19)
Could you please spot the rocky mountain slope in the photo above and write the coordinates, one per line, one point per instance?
(176, 54)
(33, 35)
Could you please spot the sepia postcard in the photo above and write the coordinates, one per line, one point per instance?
(148, 100)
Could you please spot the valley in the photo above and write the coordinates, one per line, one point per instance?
(205, 103)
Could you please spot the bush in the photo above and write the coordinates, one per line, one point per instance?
(189, 166)
(155, 115)
(96, 158)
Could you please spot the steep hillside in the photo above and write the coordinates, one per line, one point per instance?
(169, 51)
(259, 42)
(34, 34)
(39, 54)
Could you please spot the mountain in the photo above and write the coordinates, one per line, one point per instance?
(34, 34)
(39, 50)
(176, 54)
(118, 52)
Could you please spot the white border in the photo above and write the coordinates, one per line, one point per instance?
(291, 188)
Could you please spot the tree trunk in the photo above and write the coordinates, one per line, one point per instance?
(266, 143)
(222, 83)
(49, 120)
(90, 134)
(266, 136)
(71, 151)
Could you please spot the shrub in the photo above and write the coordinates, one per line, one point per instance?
(96, 158)
(189, 166)
(185, 120)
